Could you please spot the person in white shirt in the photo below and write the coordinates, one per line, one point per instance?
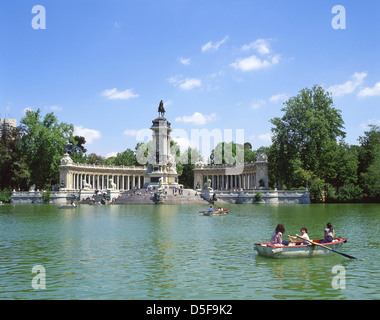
(304, 235)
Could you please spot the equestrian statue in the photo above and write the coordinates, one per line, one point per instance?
(161, 109)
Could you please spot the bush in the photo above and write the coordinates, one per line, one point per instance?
(5, 195)
(46, 196)
(347, 193)
(258, 197)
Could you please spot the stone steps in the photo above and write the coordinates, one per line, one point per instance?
(188, 197)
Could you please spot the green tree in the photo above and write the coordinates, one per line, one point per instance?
(93, 158)
(187, 161)
(227, 153)
(125, 158)
(369, 163)
(14, 172)
(75, 148)
(341, 164)
(371, 178)
(249, 154)
(302, 136)
(43, 146)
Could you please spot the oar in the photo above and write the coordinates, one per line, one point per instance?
(321, 245)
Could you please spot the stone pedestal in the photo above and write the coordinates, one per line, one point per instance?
(162, 166)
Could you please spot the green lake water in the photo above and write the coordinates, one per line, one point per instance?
(174, 252)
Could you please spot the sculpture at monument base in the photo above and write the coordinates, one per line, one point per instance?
(111, 185)
(86, 185)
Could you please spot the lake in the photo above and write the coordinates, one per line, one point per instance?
(174, 252)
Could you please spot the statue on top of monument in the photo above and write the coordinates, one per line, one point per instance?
(161, 109)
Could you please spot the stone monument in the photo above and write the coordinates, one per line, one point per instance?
(262, 169)
(161, 163)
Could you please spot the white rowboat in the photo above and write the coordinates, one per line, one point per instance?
(298, 251)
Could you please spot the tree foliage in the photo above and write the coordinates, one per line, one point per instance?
(305, 135)
(14, 173)
(43, 146)
(307, 150)
(75, 148)
(369, 163)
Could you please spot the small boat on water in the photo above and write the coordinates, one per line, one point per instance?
(298, 250)
(216, 212)
(66, 206)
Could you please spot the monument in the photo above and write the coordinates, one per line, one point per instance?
(223, 183)
(161, 163)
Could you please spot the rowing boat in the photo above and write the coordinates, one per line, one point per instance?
(299, 250)
(216, 213)
(66, 206)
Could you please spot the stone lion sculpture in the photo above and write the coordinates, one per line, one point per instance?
(86, 185)
(111, 184)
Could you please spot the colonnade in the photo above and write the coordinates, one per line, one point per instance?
(104, 181)
(230, 182)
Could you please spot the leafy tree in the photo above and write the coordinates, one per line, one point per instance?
(228, 153)
(341, 164)
(187, 161)
(5, 195)
(125, 158)
(249, 154)
(75, 148)
(371, 178)
(43, 146)
(369, 162)
(93, 158)
(14, 172)
(302, 136)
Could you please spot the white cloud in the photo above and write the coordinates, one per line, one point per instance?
(168, 103)
(257, 104)
(114, 94)
(184, 61)
(111, 154)
(278, 97)
(90, 134)
(265, 137)
(174, 80)
(254, 63)
(349, 86)
(190, 83)
(370, 92)
(54, 108)
(185, 84)
(27, 109)
(213, 45)
(185, 143)
(365, 125)
(197, 118)
(261, 45)
(130, 132)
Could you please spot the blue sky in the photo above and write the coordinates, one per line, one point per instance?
(221, 65)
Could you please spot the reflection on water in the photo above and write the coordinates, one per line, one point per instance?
(173, 252)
